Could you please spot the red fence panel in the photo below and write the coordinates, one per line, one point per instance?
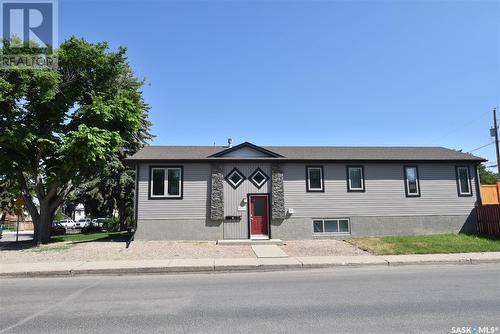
(489, 220)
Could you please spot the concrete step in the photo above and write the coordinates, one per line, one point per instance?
(268, 251)
(278, 242)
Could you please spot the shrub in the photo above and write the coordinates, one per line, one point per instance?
(112, 224)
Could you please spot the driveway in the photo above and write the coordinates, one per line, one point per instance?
(8, 236)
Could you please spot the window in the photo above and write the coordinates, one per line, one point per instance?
(258, 178)
(166, 182)
(355, 178)
(412, 183)
(463, 181)
(331, 226)
(235, 178)
(259, 208)
(314, 178)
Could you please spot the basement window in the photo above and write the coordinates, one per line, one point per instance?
(166, 182)
(235, 178)
(331, 226)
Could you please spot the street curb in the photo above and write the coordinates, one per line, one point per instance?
(218, 266)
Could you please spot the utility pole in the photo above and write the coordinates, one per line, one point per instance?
(496, 138)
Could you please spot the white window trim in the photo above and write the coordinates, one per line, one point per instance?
(469, 185)
(165, 180)
(338, 226)
(362, 178)
(259, 184)
(309, 188)
(235, 171)
(407, 181)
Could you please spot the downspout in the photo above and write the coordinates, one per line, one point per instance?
(479, 201)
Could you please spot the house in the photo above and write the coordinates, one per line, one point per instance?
(78, 212)
(248, 191)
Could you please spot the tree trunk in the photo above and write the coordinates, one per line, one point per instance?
(45, 221)
(36, 229)
(42, 225)
(122, 214)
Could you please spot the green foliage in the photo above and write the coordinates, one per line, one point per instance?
(60, 129)
(8, 197)
(59, 214)
(112, 224)
(486, 176)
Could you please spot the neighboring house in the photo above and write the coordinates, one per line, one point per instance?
(247, 191)
(78, 212)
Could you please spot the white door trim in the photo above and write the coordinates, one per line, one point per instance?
(259, 236)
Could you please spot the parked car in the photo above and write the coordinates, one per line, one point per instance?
(99, 221)
(68, 223)
(84, 222)
(92, 228)
(57, 229)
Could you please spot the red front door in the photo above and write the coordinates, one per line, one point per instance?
(259, 215)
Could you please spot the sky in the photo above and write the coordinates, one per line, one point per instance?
(335, 73)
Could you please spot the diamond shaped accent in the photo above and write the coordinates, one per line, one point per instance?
(235, 178)
(259, 178)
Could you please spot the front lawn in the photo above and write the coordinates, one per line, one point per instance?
(101, 236)
(428, 244)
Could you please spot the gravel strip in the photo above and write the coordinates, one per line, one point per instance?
(151, 250)
(109, 251)
(320, 248)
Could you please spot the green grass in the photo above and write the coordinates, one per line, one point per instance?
(49, 248)
(428, 244)
(102, 236)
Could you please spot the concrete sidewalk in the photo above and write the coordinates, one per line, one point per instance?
(43, 269)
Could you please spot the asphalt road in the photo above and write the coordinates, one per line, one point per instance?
(416, 299)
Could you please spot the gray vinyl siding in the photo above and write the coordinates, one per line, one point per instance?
(439, 209)
(384, 192)
(233, 198)
(193, 205)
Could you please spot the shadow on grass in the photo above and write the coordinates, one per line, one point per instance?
(19, 245)
(93, 237)
(78, 238)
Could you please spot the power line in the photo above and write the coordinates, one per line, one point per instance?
(480, 147)
(475, 119)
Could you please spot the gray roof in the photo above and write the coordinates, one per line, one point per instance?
(162, 153)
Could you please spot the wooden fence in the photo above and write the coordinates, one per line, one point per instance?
(490, 193)
(489, 220)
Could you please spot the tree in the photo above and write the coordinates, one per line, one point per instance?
(61, 128)
(7, 198)
(486, 176)
(112, 189)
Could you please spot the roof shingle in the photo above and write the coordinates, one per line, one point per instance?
(309, 153)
